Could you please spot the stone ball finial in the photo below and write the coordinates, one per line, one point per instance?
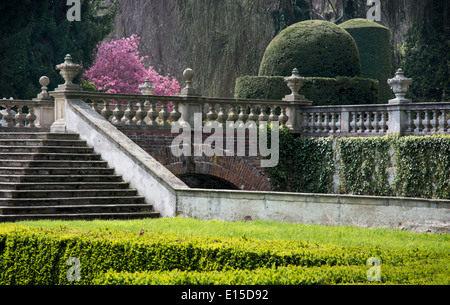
(44, 81)
(188, 75)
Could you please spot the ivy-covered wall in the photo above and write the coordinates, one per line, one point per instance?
(379, 166)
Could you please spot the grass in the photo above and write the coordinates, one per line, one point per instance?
(267, 230)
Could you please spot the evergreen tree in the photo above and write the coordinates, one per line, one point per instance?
(426, 56)
(35, 35)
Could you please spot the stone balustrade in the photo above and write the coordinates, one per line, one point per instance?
(33, 114)
(148, 111)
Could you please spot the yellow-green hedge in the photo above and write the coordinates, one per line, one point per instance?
(39, 256)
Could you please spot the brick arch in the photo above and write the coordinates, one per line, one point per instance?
(243, 172)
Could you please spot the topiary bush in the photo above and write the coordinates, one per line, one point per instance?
(374, 45)
(319, 90)
(316, 48)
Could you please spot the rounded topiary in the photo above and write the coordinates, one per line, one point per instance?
(374, 45)
(316, 48)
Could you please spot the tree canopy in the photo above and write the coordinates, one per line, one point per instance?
(36, 35)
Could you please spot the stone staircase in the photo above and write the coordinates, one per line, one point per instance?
(57, 176)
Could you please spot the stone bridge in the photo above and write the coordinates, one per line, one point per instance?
(215, 172)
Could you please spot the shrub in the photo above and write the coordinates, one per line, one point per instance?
(374, 46)
(39, 256)
(321, 91)
(315, 48)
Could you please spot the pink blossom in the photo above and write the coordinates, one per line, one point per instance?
(119, 68)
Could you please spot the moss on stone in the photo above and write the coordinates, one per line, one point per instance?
(316, 48)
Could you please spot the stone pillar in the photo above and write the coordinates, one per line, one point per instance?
(69, 71)
(397, 113)
(45, 109)
(296, 101)
(191, 103)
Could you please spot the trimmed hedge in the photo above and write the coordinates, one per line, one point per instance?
(413, 274)
(374, 45)
(316, 48)
(321, 91)
(39, 256)
(414, 166)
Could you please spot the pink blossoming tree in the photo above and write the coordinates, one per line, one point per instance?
(119, 68)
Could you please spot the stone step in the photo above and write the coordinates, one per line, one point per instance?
(42, 142)
(17, 202)
(56, 171)
(39, 135)
(60, 178)
(73, 209)
(21, 186)
(48, 156)
(47, 149)
(67, 193)
(52, 163)
(78, 216)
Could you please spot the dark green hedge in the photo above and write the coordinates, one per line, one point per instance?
(374, 45)
(321, 91)
(316, 48)
(378, 166)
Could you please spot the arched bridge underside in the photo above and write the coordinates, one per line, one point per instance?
(217, 172)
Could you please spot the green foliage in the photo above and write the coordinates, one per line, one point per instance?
(315, 48)
(319, 90)
(38, 256)
(306, 164)
(36, 35)
(416, 274)
(374, 46)
(378, 166)
(286, 16)
(423, 167)
(364, 165)
(426, 57)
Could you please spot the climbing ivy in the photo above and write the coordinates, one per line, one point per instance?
(378, 166)
(306, 164)
(423, 167)
(364, 164)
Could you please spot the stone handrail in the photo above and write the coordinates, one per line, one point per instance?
(376, 120)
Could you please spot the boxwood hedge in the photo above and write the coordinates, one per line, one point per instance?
(39, 256)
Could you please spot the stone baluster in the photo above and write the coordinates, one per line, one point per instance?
(263, 117)
(443, 121)
(118, 114)
(211, 115)
(447, 114)
(435, 121)
(383, 122)
(368, 127)
(426, 122)
(129, 114)
(141, 113)
(319, 122)
(273, 117)
(152, 114)
(164, 114)
(30, 117)
(283, 118)
(175, 114)
(353, 121)
(222, 116)
(409, 122)
(20, 117)
(375, 122)
(106, 111)
(8, 117)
